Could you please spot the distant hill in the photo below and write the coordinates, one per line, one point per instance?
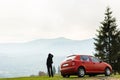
(24, 59)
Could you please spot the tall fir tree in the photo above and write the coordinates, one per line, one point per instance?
(107, 41)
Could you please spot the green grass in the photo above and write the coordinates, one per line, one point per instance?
(57, 77)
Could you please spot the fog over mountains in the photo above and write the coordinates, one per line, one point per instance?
(24, 59)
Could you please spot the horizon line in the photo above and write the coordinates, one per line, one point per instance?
(26, 41)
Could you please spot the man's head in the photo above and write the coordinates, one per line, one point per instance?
(50, 55)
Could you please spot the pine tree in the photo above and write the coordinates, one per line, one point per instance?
(118, 56)
(107, 41)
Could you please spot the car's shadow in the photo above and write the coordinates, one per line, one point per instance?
(98, 77)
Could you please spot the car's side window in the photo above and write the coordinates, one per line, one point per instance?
(94, 59)
(84, 58)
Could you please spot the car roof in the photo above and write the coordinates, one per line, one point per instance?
(78, 55)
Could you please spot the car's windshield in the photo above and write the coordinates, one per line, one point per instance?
(94, 59)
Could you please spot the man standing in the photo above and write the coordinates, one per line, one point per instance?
(49, 64)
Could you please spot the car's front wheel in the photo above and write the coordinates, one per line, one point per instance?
(107, 72)
(81, 72)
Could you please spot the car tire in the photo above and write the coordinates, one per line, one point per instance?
(67, 76)
(107, 72)
(81, 72)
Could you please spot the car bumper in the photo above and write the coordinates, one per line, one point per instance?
(69, 70)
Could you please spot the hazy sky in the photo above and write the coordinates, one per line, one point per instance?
(25, 20)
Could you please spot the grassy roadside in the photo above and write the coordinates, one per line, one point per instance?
(100, 77)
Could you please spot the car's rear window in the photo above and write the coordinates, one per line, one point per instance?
(70, 58)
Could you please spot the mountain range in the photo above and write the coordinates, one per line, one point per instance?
(24, 59)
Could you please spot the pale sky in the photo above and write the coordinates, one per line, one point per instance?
(26, 20)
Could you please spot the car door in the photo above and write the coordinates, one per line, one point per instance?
(85, 60)
(97, 65)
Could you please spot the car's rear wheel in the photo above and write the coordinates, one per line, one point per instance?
(107, 72)
(81, 72)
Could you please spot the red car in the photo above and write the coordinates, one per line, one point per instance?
(82, 65)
